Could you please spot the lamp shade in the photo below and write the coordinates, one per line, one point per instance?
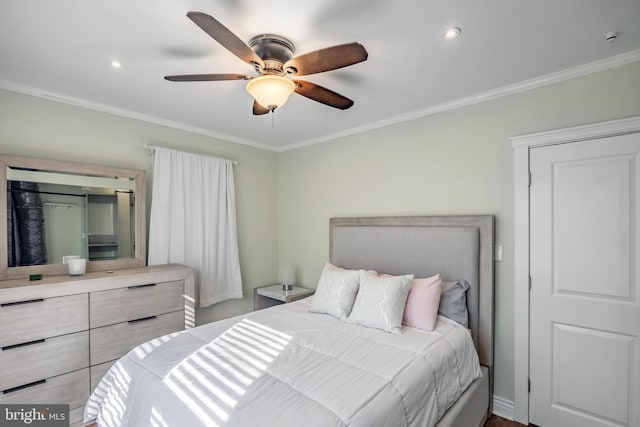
(271, 91)
(288, 276)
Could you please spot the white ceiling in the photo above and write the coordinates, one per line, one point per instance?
(61, 50)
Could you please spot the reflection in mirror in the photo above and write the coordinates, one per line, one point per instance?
(109, 225)
(42, 221)
(57, 209)
(50, 215)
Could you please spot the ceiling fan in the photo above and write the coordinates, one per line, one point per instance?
(272, 57)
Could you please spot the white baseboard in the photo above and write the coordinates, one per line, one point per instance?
(503, 408)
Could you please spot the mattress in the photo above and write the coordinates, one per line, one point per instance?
(285, 366)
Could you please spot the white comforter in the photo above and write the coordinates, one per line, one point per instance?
(285, 367)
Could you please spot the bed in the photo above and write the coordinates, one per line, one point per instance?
(286, 366)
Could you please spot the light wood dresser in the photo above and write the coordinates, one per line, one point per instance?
(60, 335)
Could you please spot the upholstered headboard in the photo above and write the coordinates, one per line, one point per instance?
(457, 247)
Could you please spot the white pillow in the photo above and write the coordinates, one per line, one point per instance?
(380, 302)
(336, 291)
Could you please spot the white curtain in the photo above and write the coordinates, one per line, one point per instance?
(193, 222)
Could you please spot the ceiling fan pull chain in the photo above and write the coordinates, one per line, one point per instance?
(272, 119)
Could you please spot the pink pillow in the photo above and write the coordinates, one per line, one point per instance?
(421, 310)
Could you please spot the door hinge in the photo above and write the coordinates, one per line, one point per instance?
(529, 179)
(529, 283)
(529, 385)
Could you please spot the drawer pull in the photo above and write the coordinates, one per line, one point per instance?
(9, 347)
(21, 387)
(8, 304)
(141, 286)
(142, 319)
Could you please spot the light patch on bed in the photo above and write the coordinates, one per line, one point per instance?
(156, 419)
(241, 372)
(268, 332)
(271, 344)
(212, 379)
(144, 349)
(219, 376)
(113, 389)
(200, 398)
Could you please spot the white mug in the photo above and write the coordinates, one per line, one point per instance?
(66, 258)
(77, 266)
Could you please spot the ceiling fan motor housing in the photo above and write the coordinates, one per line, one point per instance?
(274, 50)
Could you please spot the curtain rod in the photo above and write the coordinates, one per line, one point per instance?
(151, 148)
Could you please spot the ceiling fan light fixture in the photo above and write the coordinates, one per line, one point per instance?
(271, 91)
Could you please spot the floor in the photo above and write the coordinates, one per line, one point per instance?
(496, 421)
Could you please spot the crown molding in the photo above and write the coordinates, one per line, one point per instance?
(90, 105)
(560, 76)
(557, 77)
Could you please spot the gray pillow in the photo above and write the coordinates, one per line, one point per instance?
(453, 302)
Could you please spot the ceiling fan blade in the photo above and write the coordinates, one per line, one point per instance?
(327, 59)
(206, 77)
(225, 37)
(259, 110)
(322, 95)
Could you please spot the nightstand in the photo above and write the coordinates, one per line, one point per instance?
(268, 296)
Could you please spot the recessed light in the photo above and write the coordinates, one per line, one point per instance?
(115, 63)
(451, 33)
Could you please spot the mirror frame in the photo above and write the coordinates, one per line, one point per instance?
(138, 260)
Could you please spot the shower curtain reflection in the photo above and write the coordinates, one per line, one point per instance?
(26, 225)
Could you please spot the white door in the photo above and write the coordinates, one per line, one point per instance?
(585, 287)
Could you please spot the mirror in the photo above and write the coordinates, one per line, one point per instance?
(54, 209)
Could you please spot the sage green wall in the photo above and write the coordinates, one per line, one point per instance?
(31, 126)
(458, 162)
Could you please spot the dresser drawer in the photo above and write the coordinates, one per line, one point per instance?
(71, 389)
(112, 342)
(35, 360)
(23, 321)
(124, 304)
